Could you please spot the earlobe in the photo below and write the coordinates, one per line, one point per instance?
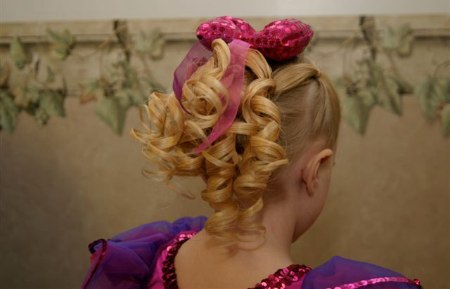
(311, 172)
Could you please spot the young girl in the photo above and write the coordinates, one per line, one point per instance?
(259, 125)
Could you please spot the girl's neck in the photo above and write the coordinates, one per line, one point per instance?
(240, 267)
(280, 229)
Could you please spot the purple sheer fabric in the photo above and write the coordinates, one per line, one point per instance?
(348, 274)
(132, 260)
(127, 260)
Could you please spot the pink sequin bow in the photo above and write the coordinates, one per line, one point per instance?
(279, 40)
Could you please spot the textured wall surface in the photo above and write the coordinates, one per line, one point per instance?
(49, 10)
(73, 181)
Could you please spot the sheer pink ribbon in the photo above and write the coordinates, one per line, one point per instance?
(233, 80)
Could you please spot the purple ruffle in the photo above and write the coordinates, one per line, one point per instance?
(344, 273)
(127, 260)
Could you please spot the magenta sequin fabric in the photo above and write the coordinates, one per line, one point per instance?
(284, 277)
(168, 269)
(279, 280)
(279, 40)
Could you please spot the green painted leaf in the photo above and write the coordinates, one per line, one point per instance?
(5, 72)
(398, 39)
(374, 74)
(7, 122)
(40, 115)
(158, 48)
(440, 89)
(19, 53)
(33, 93)
(144, 42)
(91, 91)
(50, 74)
(446, 89)
(432, 93)
(131, 79)
(129, 89)
(151, 43)
(117, 74)
(390, 39)
(405, 46)
(138, 98)
(368, 98)
(62, 43)
(445, 118)
(110, 111)
(123, 97)
(8, 111)
(355, 113)
(149, 85)
(424, 92)
(52, 102)
(388, 95)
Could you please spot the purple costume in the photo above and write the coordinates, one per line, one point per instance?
(143, 258)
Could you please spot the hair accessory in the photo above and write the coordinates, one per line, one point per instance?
(233, 80)
(196, 57)
(279, 40)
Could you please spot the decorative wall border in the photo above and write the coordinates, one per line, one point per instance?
(181, 29)
(362, 91)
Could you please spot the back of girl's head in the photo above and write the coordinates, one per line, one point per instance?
(280, 113)
(309, 105)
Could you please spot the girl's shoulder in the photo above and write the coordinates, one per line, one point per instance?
(344, 273)
(129, 258)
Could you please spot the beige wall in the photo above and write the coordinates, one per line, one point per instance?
(73, 181)
(49, 10)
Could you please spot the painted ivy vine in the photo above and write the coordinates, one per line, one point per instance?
(121, 86)
(42, 92)
(369, 83)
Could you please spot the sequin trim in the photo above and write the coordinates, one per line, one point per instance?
(373, 281)
(284, 277)
(168, 269)
(280, 279)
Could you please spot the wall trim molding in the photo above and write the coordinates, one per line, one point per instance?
(174, 30)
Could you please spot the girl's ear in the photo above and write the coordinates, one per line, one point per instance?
(310, 175)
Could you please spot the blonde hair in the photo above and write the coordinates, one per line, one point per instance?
(279, 113)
